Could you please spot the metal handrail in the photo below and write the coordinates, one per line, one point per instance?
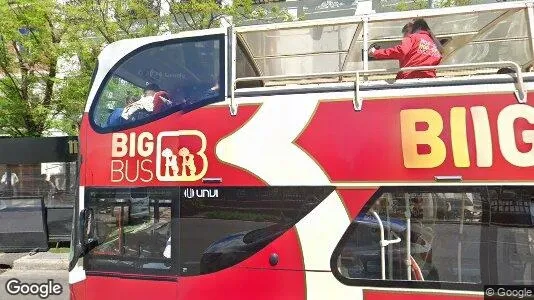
(520, 92)
(383, 244)
(379, 71)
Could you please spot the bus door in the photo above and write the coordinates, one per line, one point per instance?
(133, 229)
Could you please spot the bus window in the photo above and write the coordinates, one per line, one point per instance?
(470, 236)
(442, 245)
(132, 228)
(512, 215)
(221, 227)
(159, 79)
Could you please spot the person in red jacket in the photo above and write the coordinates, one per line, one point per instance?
(420, 48)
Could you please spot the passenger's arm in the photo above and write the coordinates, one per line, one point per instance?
(396, 52)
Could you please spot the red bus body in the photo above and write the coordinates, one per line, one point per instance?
(458, 135)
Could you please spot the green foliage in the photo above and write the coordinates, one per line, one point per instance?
(450, 3)
(411, 5)
(116, 93)
(28, 65)
(45, 73)
(422, 4)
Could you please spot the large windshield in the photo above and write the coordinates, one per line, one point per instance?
(161, 78)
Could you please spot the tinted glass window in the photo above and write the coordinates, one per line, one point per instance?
(469, 236)
(162, 78)
(132, 229)
(443, 242)
(512, 240)
(222, 227)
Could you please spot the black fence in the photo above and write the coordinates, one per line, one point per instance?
(43, 168)
(22, 224)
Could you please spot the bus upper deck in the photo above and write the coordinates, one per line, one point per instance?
(311, 52)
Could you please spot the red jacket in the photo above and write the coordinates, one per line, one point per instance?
(416, 50)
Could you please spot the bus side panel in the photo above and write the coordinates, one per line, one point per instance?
(84, 129)
(77, 291)
(114, 159)
(419, 138)
(244, 283)
(288, 249)
(254, 278)
(104, 287)
(354, 200)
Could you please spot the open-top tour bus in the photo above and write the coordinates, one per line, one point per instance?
(280, 161)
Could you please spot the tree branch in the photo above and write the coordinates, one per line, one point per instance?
(23, 73)
(49, 85)
(185, 19)
(10, 76)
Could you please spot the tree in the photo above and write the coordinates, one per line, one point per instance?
(421, 4)
(30, 48)
(49, 48)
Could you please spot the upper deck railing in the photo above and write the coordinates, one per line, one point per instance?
(306, 50)
(475, 39)
(519, 91)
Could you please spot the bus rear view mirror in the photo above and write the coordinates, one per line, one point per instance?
(86, 232)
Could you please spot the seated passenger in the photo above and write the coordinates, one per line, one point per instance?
(162, 102)
(115, 118)
(143, 106)
(420, 48)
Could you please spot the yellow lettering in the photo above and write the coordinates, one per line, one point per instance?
(118, 144)
(460, 151)
(483, 141)
(411, 138)
(505, 125)
(146, 170)
(145, 148)
(116, 170)
(132, 144)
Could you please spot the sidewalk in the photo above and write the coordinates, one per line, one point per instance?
(43, 261)
(34, 269)
(37, 261)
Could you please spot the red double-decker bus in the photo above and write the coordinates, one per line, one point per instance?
(280, 161)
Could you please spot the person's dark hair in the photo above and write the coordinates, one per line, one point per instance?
(152, 87)
(420, 24)
(407, 28)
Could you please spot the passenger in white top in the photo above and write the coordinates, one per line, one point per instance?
(146, 102)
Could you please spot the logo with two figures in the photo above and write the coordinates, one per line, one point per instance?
(175, 162)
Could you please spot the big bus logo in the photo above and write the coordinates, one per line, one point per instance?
(179, 163)
(179, 156)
